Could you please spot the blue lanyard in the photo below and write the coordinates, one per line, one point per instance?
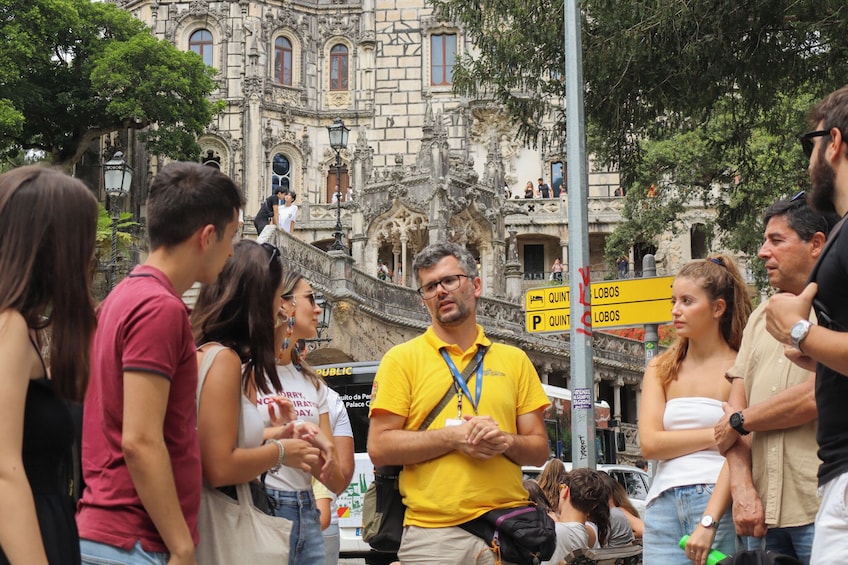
(459, 381)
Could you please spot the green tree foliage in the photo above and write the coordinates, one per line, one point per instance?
(73, 70)
(686, 95)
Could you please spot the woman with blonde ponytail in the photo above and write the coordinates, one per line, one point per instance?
(682, 394)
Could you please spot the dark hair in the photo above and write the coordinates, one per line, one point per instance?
(801, 218)
(185, 197)
(589, 493)
(720, 279)
(48, 225)
(435, 252)
(236, 311)
(550, 479)
(832, 112)
(618, 494)
(292, 194)
(536, 495)
(291, 279)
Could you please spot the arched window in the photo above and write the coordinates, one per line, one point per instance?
(201, 43)
(338, 68)
(442, 58)
(280, 172)
(283, 61)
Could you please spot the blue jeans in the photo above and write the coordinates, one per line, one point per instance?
(795, 542)
(96, 553)
(676, 513)
(307, 540)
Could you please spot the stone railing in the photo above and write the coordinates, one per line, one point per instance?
(336, 276)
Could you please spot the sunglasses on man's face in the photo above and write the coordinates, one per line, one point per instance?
(807, 143)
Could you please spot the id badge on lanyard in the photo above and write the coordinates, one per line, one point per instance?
(461, 386)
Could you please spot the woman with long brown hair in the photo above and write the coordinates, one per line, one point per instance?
(682, 394)
(238, 312)
(48, 222)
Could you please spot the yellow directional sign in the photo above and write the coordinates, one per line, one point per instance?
(629, 302)
(605, 316)
(604, 292)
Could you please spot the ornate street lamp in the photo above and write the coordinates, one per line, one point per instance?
(338, 141)
(313, 343)
(117, 179)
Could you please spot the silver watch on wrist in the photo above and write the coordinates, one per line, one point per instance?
(707, 521)
(798, 332)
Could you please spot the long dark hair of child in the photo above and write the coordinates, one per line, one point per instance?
(720, 278)
(537, 497)
(550, 479)
(236, 311)
(588, 493)
(290, 281)
(619, 494)
(48, 225)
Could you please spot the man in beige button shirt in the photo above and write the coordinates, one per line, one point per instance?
(773, 470)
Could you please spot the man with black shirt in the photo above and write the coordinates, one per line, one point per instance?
(824, 347)
(544, 189)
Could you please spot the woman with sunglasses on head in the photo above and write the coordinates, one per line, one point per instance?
(291, 489)
(682, 394)
(47, 231)
(239, 312)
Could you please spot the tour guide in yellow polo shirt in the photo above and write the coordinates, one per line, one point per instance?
(469, 459)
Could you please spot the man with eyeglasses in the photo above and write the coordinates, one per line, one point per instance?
(773, 470)
(468, 461)
(824, 347)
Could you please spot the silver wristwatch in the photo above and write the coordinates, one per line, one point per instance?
(798, 332)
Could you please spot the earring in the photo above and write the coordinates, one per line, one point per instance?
(280, 319)
(289, 332)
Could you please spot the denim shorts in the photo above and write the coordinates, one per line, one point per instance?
(676, 513)
(307, 540)
(96, 553)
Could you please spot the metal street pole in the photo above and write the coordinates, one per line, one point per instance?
(337, 244)
(652, 336)
(113, 257)
(579, 278)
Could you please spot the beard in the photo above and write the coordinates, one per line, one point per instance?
(823, 179)
(460, 313)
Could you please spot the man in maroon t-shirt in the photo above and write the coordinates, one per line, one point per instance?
(140, 453)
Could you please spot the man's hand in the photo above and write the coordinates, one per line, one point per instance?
(784, 309)
(804, 361)
(748, 513)
(482, 438)
(725, 436)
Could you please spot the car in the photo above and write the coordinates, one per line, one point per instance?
(635, 480)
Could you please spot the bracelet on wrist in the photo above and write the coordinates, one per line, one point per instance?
(281, 454)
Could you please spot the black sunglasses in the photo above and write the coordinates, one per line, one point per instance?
(275, 253)
(807, 143)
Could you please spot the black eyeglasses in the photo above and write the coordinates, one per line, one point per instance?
(310, 296)
(275, 253)
(449, 283)
(807, 143)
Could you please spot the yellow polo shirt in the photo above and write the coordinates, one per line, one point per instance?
(455, 488)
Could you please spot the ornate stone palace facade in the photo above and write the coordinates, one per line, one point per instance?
(422, 164)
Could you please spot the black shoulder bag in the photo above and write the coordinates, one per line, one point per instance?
(383, 510)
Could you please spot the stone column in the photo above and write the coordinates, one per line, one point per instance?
(404, 243)
(616, 395)
(512, 269)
